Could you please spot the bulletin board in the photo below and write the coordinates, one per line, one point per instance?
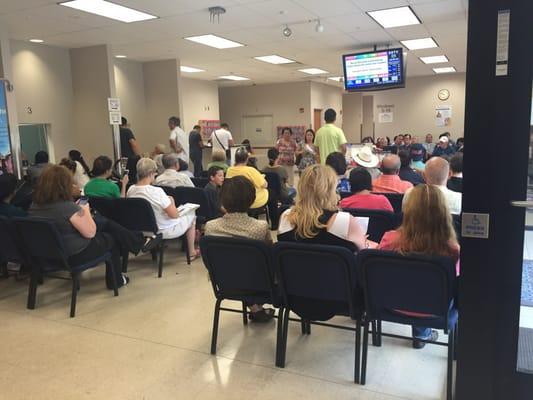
(298, 132)
(208, 126)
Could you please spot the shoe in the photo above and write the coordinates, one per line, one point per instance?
(262, 316)
(125, 280)
(151, 243)
(417, 344)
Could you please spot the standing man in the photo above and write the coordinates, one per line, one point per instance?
(221, 139)
(329, 138)
(179, 140)
(128, 145)
(196, 145)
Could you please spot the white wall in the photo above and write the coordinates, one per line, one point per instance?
(283, 101)
(200, 101)
(414, 107)
(43, 81)
(326, 96)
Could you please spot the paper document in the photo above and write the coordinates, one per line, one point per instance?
(188, 208)
(363, 223)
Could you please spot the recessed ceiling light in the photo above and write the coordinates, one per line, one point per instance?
(36, 40)
(434, 59)
(335, 78)
(183, 68)
(417, 44)
(214, 41)
(274, 59)
(444, 70)
(108, 10)
(313, 71)
(234, 78)
(120, 56)
(394, 17)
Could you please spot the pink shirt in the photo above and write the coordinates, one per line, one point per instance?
(368, 201)
(390, 184)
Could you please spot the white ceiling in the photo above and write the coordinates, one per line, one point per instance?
(255, 23)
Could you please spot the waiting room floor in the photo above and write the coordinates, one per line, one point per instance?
(152, 342)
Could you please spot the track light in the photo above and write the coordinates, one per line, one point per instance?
(287, 31)
(319, 28)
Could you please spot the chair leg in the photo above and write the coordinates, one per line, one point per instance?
(161, 258)
(304, 326)
(215, 327)
(110, 265)
(279, 336)
(3, 269)
(374, 333)
(283, 347)
(32, 290)
(357, 365)
(187, 254)
(308, 331)
(365, 353)
(75, 285)
(455, 341)
(451, 351)
(244, 314)
(379, 332)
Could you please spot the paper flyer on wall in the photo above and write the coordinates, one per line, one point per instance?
(443, 115)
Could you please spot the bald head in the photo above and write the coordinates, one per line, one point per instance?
(390, 164)
(436, 171)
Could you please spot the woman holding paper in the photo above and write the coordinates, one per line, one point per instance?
(170, 221)
(315, 218)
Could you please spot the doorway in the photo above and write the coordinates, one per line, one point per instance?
(33, 138)
(317, 119)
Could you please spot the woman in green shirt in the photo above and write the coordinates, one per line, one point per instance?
(100, 185)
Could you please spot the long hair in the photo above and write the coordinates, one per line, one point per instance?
(427, 225)
(317, 191)
(75, 155)
(54, 184)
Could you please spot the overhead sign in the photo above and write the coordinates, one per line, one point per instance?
(475, 225)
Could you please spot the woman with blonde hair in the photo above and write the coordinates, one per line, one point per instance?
(315, 218)
(427, 228)
(218, 159)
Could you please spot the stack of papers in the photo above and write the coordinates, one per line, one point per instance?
(188, 208)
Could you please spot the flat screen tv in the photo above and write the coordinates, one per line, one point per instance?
(374, 70)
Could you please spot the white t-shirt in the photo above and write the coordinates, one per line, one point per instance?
(454, 199)
(159, 201)
(220, 139)
(182, 139)
(173, 179)
(80, 176)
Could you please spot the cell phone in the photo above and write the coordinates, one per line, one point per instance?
(126, 172)
(83, 200)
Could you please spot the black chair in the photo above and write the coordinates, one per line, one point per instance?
(137, 215)
(343, 195)
(416, 283)
(395, 200)
(11, 249)
(457, 225)
(318, 282)
(379, 221)
(241, 270)
(200, 182)
(193, 195)
(44, 248)
(274, 185)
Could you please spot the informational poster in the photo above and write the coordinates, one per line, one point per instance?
(385, 117)
(113, 104)
(298, 132)
(443, 116)
(502, 42)
(115, 117)
(5, 144)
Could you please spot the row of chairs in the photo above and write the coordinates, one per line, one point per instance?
(318, 282)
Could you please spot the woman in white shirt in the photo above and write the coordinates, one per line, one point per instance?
(82, 172)
(169, 221)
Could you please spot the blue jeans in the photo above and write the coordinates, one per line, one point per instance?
(421, 333)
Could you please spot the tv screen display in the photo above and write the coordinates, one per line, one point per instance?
(376, 70)
(5, 144)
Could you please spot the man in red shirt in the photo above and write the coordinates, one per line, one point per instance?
(390, 182)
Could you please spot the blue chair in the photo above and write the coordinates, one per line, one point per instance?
(11, 249)
(241, 270)
(44, 248)
(416, 283)
(318, 282)
(379, 221)
(135, 214)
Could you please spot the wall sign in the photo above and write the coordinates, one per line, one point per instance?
(113, 104)
(475, 225)
(502, 42)
(115, 117)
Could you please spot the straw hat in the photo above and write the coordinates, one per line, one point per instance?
(365, 158)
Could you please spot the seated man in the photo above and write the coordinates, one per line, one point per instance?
(361, 184)
(100, 185)
(287, 193)
(455, 182)
(407, 173)
(390, 182)
(41, 162)
(8, 185)
(212, 189)
(171, 176)
(337, 161)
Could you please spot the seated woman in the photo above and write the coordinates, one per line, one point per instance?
(241, 169)
(218, 159)
(287, 192)
(100, 185)
(427, 228)
(337, 161)
(237, 195)
(81, 239)
(169, 221)
(315, 218)
(8, 186)
(81, 172)
(71, 166)
(361, 185)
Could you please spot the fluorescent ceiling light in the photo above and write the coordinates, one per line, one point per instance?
(234, 78)
(183, 68)
(434, 59)
(335, 78)
(417, 44)
(108, 10)
(313, 71)
(274, 59)
(444, 70)
(394, 17)
(214, 41)
(120, 56)
(36, 40)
